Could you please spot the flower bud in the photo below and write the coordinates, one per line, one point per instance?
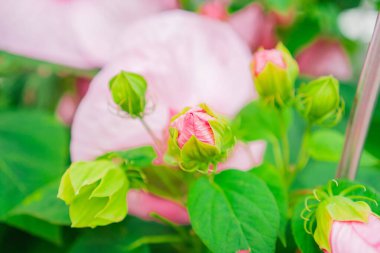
(198, 138)
(96, 193)
(319, 101)
(274, 73)
(128, 92)
(340, 221)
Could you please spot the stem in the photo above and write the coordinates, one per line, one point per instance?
(278, 155)
(213, 172)
(285, 142)
(180, 230)
(154, 239)
(303, 156)
(157, 142)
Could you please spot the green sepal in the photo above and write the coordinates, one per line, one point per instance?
(197, 155)
(337, 208)
(128, 92)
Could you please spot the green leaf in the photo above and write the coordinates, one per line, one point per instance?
(234, 212)
(277, 186)
(169, 183)
(136, 158)
(279, 5)
(119, 237)
(37, 227)
(257, 121)
(111, 239)
(36, 148)
(44, 204)
(327, 145)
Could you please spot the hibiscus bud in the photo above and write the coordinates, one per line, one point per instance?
(341, 221)
(319, 101)
(95, 192)
(274, 72)
(128, 92)
(198, 138)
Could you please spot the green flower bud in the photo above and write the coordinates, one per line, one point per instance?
(198, 138)
(95, 192)
(128, 92)
(274, 72)
(319, 101)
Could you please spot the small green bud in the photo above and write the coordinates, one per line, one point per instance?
(128, 92)
(274, 72)
(198, 138)
(319, 101)
(96, 193)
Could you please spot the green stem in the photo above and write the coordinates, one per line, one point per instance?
(278, 155)
(285, 142)
(154, 239)
(180, 230)
(303, 156)
(156, 140)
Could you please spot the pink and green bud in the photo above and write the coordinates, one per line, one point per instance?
(274, 72)
(128, 92)
(198, 138)
(319, 101)
(340, 222)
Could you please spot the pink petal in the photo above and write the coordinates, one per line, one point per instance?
(185, 63)
(262, 57)
(325, 57)
(66, 108)
(215, 10)
(143, 204)
(245, 156)
(254, 27)
(370, 232)
(79, 33)
(194, 123)
(353, 237)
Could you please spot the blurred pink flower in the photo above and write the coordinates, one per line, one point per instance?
(262, 57)
(354, 237)
(194, 122)
(79, 33)
(325, 56)
(69, 101)
(214, 9)
(185, 64)
(255, 27)
(252, 24)
(66, 107)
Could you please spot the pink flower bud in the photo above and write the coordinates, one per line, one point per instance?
(354, 236)
(194, 122)
(215, 10)
(263, 57)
